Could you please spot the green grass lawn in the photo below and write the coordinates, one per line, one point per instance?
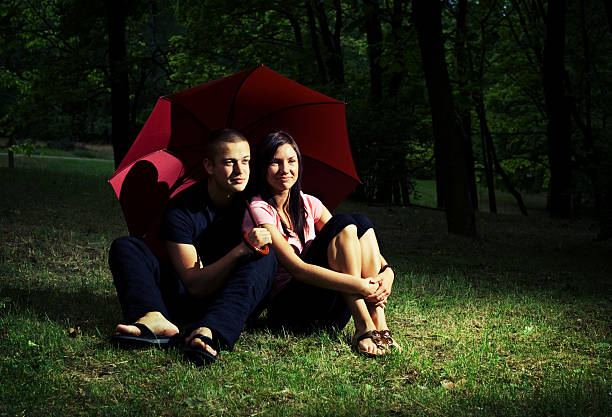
(515, 323)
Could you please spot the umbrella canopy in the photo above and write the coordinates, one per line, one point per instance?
(166, 156)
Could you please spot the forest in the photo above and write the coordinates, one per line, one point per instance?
(505, 94)
(481, 133)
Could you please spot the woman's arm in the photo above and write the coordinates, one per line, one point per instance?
(385, 279)
(325, 216)
(314, 274)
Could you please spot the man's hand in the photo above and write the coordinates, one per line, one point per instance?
(260, 236)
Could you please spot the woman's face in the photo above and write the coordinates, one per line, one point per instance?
(283, 169)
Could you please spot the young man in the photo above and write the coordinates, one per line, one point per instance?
(214, 280)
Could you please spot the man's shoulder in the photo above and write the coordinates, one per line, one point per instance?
(194, 198)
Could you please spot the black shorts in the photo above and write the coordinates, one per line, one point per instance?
(303, 307)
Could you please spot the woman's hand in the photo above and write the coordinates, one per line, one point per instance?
(260, 236)
(385, 282)
(369, 287)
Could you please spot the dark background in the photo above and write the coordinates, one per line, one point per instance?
(511, 95)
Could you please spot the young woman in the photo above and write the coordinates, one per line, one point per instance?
(330, 267)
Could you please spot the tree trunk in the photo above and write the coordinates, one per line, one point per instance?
(604, 186)
(335, 63)
(427, 16)
(11, 154)
(120, 100)
(492, 157)
(464, 106)
(558, 111)
(487, 144)
(299, 41)
(608, 6)
(375, 38)
(397, 68)
(314, 39)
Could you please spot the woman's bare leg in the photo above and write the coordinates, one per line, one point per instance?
(344, 255)
(370, 265)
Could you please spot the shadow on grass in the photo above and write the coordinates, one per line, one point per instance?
(92, 314)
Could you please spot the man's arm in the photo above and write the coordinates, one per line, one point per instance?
(201, 280)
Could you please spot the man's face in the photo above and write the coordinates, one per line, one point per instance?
(230, 168)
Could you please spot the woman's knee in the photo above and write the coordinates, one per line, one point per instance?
(363, 224)
(349, 232)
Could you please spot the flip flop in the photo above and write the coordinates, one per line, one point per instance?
(197, 354)
(145, 339)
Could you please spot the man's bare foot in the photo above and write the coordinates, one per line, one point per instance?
(195, 342)
(153, 320)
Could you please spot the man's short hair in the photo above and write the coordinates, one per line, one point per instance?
(218, 136)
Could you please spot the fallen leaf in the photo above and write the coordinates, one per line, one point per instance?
(447, 384)
(72, 332)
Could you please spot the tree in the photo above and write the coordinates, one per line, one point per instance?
(375, 49)
(559, 127)
(120, 100)
(464, 104)
(450, 154)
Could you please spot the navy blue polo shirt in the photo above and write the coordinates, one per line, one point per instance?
(192, 218)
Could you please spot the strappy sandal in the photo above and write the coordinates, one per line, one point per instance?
(367, 335)
(386, 339)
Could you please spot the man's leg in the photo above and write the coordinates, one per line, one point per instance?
(137, 277)
(231, 306)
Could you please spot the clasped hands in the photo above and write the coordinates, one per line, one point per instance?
(378, 289)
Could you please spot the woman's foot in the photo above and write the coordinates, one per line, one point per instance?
(155, 321)
(385, 339)
(365, 344)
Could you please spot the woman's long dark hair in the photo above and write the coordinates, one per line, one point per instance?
(265, 153)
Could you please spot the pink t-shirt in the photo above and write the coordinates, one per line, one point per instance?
(264, 213)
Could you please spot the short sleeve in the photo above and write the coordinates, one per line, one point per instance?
(177, 226)
(263, 213)
(314, 206)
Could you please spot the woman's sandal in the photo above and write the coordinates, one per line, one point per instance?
(367, 335)
(385, 338)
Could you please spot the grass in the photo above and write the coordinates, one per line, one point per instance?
(515, 323)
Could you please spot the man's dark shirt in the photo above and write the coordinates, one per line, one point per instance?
(192, 218)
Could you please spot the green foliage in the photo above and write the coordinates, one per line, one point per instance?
(26, 147)
(54, 76)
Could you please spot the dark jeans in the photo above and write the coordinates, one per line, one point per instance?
(305, 308)
(144, 285)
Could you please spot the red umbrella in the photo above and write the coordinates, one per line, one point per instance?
(166, 156)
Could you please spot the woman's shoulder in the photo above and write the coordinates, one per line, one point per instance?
(258, 203)
(311, 200)
(313, 205)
